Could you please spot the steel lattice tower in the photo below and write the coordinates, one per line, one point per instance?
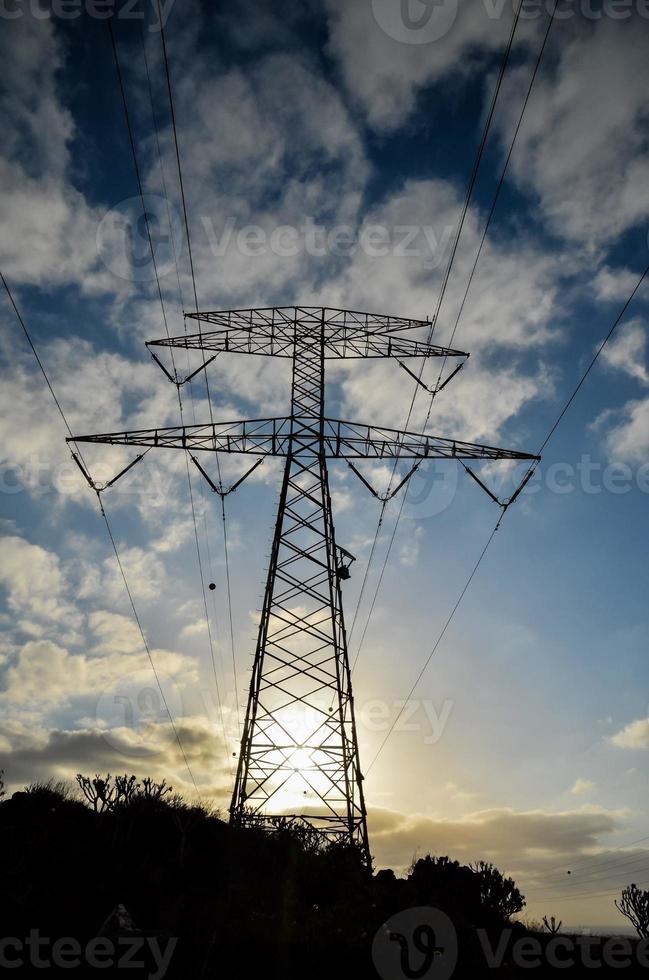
(299, 754)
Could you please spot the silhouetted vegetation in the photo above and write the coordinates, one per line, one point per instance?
(552, 925)
(634, 905)
(129, 857)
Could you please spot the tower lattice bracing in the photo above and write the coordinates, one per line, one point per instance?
(299, 749)
(299, 753)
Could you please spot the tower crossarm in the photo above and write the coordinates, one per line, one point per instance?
(279, 340)
(303, 318)
(262, 437)
(353, 440)
(286, 436)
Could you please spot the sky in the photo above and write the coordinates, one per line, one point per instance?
(326, 150)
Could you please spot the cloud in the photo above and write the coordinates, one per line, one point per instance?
(582, 786)
(627, 352)
(635, 735)
(35, 583)
(592, 180)
(526, 842)
(385, 75)
(46, 675)
(97, 391)
(398, 267)
(409, 551)
(628, 438)
(288, 152)
(42, 214)
(197, 628)
(614, 284)
(30, 756)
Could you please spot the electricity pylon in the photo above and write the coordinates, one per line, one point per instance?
(299, 750)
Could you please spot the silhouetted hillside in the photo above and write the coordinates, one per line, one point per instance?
(240, 903)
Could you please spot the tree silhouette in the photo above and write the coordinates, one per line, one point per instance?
(498, 894)
(634, 905)
(551, 925)
(97, 791)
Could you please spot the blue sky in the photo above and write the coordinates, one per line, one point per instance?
(527, 739)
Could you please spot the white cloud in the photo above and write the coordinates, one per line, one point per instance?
(635, 735)
(409, 551)
(513, 299)
(628, 439)
(46, 675)
(47, 228)
(615, 284)
(627, 351)
(287, 151)
(590, 172)
(582, 786)
(385, 75)
(197, 628)
(35, 583)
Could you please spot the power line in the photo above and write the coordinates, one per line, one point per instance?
(110, 534)
(596, 868)
(500, 184)
(624, 875)
(180, 172)
(181, 184)
(180, 406)
(145, 213)
(229, 591)
(144, 640)
(440, 300)
(557, 897)
(587, 860)
(441, 297)
(476, 167)
(35, 352)
(162, 169)
(207, 615)
(439, 639)
(207, 385)
(531, 470)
